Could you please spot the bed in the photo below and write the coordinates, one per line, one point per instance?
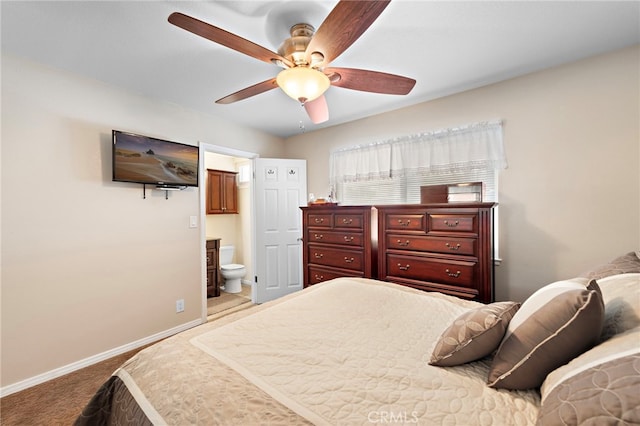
(360, 351)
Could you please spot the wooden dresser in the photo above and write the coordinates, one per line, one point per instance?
(438, 247)
(338, 241)
(213, 269)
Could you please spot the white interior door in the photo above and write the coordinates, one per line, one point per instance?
(280, 189)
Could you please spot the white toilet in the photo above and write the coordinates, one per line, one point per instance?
(231, 272)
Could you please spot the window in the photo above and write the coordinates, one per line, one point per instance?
(392, 171)
(244, 174)
(406, 189)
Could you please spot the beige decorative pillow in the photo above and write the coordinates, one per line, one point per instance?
(625, 264)
(474, 334)
(556, 324)
(602, 384)
(612, 399)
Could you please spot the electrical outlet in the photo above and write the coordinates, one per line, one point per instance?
(179, 305)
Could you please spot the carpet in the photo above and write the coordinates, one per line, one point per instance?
(228, 301)
(61, 400)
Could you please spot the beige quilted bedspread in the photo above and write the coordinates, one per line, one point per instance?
(349, 351)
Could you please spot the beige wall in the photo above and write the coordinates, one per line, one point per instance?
(89, 267)
(244, 239)
(570, 198)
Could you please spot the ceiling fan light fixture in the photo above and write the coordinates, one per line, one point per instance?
(303, 84)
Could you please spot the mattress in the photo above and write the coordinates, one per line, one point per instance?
(346, 351)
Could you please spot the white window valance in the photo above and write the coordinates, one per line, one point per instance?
(363, 162)
(472, 147)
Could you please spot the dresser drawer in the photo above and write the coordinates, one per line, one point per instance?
(452, 245)
(459, 273)
(328, 237)
(405, 222)
(452, 222)
(320, 220)
(348, 221)
(329, 256)
(318, 275)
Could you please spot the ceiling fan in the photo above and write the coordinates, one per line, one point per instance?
(305, 57)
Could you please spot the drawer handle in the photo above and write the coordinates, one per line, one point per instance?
(348, 238)
(319, 277)
(403, 268)
(404, 223)
(318, 236)
(451, 224)
(318, 255)
(319, 220)
(347, 221)
(453, 274)
(401, 244)
(348, 259)
(450, 247)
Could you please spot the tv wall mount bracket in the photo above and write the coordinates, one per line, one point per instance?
(165, 188)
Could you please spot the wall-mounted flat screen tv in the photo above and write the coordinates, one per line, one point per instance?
(147, 160)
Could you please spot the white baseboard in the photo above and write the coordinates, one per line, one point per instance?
(69, 368)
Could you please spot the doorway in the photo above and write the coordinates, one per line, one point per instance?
(232, 229)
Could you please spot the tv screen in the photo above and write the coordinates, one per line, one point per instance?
(147, 160)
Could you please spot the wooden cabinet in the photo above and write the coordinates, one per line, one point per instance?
(438, 247)
(213, 267)
(222, 192)
(338, 241)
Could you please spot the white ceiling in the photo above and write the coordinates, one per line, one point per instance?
(446, 46)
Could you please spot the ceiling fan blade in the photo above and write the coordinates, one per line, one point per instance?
(317, 110)
(344, 25)
(369, 81)
(225, 38)
(247, 92)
